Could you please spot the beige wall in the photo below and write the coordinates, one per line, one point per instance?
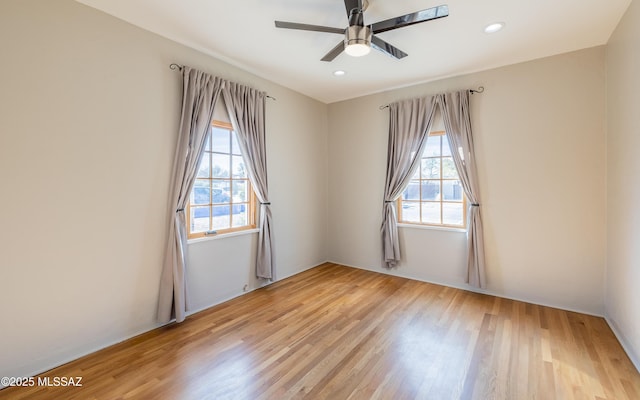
(89, 112)
(623, 176)
(539, 129)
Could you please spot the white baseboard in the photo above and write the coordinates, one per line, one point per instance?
(624, 343)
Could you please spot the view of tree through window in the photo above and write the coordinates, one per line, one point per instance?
(434, 195)
(221, 199)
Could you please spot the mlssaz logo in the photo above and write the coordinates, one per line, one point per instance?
(60, 381)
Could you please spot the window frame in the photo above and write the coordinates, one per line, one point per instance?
(251, 197)
(440, 202)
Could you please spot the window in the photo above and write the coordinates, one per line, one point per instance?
(434, 195)
(222, 199)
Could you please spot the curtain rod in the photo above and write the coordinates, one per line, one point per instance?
(179, 67)
(480, 89)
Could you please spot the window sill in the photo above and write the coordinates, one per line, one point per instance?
(434, 228)
(222, 236)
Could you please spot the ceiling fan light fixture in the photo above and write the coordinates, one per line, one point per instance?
(357, 42)
(357, 49)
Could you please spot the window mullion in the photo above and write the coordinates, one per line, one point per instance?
(441, 181)
(210, 205)
(210, 175)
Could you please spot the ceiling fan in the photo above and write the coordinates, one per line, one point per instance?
(359, 38)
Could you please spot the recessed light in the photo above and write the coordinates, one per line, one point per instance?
(494, 27)
(339, 72)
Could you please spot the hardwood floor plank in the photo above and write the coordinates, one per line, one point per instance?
(335, 332)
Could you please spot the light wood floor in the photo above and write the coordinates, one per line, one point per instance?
(335, 332)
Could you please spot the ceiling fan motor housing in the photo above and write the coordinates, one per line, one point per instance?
(358, 37)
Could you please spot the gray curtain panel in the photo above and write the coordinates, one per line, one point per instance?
(200, 92)
(247, 112)
(409, 125)
(457, 121)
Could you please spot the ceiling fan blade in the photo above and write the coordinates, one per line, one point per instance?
(387, 48)
(334, 52)
(351, 4)
(307, 27)
(410, 19)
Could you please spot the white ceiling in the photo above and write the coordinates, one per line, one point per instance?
(243, 34)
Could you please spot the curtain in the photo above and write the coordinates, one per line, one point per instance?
(409, 125)
(200, 92)
(246, 110)
(457, 121)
